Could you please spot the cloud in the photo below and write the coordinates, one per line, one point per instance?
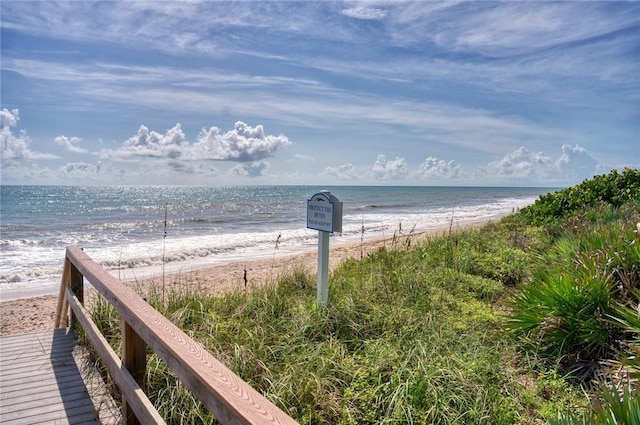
(303, 157)
(20, 172)
(195, 168)
(9, 118)
(367, 13)
(434, 168)
(16, 147)
(389, 170)
(574, 164)
(150, 144)
(243, 144)
(521, 164)
(81, 168)
(498, 29)
(342, 172)
(250, 169)
(70, 144)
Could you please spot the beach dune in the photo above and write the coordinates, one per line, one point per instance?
(36, 314)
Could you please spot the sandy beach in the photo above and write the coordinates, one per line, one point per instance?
(37, 313)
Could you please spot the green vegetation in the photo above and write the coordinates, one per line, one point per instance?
(511, 323)
(584, 277)
(581, 310)
(614, 189)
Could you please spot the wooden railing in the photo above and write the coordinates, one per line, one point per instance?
(229, 398)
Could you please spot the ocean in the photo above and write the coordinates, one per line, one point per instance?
(135, 231)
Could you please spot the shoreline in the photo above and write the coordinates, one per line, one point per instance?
(36, 313)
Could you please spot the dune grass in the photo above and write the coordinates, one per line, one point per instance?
(409, 335)
(513, 323)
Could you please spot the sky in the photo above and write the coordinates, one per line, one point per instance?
(318, 92)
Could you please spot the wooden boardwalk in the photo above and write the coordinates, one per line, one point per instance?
(41, 382)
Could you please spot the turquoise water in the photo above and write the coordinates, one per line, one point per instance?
(137, 228)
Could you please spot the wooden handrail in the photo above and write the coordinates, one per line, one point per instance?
(229, 398)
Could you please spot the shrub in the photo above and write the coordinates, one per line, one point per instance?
(564, 314)
(613, 408)
(614, 189)
(565, 320)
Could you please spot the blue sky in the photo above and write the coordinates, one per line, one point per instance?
(319, 93)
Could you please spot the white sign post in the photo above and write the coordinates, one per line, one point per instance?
(324, 214)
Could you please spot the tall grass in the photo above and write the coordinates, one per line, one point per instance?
(421, 333)
(408, 336)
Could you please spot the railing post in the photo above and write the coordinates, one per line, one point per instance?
(134, 358)
(76, 283)
(62, 308)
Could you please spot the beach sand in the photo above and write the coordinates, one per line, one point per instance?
(37, 313)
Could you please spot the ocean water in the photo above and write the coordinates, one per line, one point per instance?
(135, 231)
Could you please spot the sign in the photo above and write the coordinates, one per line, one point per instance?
(324, 212)
(320, 213)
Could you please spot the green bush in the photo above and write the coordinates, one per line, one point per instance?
(614, 189)
(564, 314)
(613, 408)
(618, 401)
(564, 319)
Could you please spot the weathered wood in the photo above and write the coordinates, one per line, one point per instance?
(134, 358)
(62, 307)
(137, 400)
(76, 284)
(227, 396)
(41, 381)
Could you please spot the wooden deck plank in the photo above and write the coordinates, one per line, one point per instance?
(26, 374)
(78, 410)
(17, 355)
(16, 393)
(31, 401)
(41, 381)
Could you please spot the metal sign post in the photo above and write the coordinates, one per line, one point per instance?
(324, 214)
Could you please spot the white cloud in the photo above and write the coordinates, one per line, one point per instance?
(506, 27)
(342, 172)
(9, 118)
(151, 144)
(389, 170)
(250, 169)
(521, 164)
(199, 168)
(302, 102)
(574, 164)
(243, 144)
(23, 172)
(70, 144)
(81, 168)
(434, 168)
(303, 157)
(367, 13)
(16, 147)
